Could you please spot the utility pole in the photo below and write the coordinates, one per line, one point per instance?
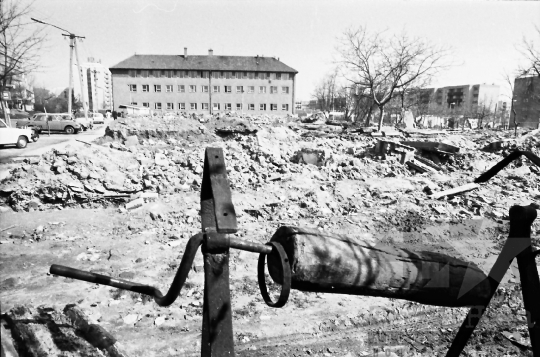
(72, 46)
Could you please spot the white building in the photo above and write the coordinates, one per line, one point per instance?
(97, 82)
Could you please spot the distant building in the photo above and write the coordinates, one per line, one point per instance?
(18, 93)
(526, 102)
(464, 100)
(97, 84)
(205, 84)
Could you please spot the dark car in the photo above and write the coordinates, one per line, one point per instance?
(51, 121)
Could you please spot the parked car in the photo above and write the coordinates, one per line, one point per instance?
(86, 122)
(53, 122)
(16, 136)
(97, 117)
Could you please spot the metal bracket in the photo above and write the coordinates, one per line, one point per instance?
(518, 245)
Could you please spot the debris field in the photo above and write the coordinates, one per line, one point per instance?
(126, 205)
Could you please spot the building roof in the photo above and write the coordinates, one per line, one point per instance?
(204, 63)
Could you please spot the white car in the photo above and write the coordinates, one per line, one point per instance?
(98, 118)
(16, 136)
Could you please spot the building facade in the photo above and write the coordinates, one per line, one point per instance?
(464, 100)
(18, 93)
(204, 84)
(97, 85)
(526, 103)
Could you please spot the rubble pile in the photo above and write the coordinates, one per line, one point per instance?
(309, 175)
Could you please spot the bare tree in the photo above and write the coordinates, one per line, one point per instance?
(326, 92)
(485, 110)
(20, 43)
(387, 64)
(530, 49)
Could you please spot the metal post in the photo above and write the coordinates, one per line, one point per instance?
(518, 245)
(521, 219)
(71, 46)
(217, 217)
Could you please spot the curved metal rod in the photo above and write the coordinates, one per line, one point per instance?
(505, 162)
(162, 300)
(286, 270)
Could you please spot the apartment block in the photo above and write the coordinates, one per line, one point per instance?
(526, 104)
(466, 100)
(97, 85)
(204, 84)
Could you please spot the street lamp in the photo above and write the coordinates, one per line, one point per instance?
(72, 45)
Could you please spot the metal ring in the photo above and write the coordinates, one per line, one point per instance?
(286, 287)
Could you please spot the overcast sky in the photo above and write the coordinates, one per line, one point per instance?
(483, 34)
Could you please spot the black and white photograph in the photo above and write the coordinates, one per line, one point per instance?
(285, 178)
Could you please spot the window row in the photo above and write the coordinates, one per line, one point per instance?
(169, 88)
(157, 73)
(215, 106)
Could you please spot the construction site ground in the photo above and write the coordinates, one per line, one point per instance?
(72, 207)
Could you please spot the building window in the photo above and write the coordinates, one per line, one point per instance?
(251, 75)
(238, 106)
(262, 106)
(204, 89)
(272, 76)
(144, 73)
(273, 89)
(132, 87)
(192, 89)
(205, 74)
(204, 106)
(228, 106)
(216, 89)
(193, 106)
(278, 76)
(133, 103)
(251, 106)
(251, 89)
(262, 75)
(284, 106)
(273, 106)
(238, 75)
(132, 73)
(182, 88)
(285, 90)
(228, 89)
(181, 74)
(227, 75)
(146, 105)
(262, 89)
(157, 106)
(284, 76)
(182, 106)
(156, 73)
(169, 88)
(145, 88)
(157, 87)
(216, 75)
(170, 106)
(239, 89)
(168, 74)
(215, 106)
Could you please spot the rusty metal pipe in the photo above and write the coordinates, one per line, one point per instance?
(162, 300)
(250, 246)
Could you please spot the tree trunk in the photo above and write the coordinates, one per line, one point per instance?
(381, 117)
(325, 262)
(368, 115)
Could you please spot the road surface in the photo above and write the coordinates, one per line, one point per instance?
(45, 143)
